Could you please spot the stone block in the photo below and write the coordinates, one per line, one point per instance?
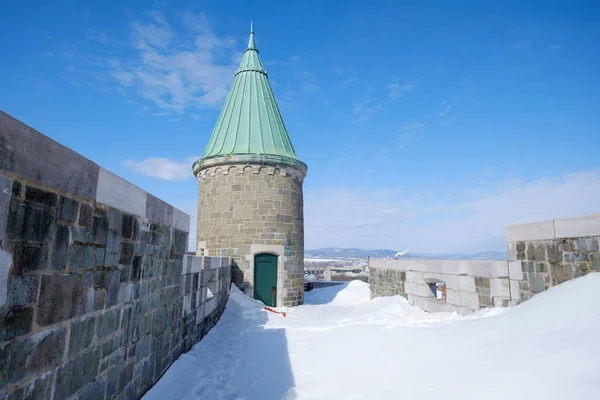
(515, 270)
(15, 321)
(61, 245)
(82, 335)
(108, 323)
(536, 281)
(67, 209)
(588, 225)
(39, 389)
(80, 236)
(81, 257)
(41, 197)
(542, 230)
(159, 321)
(143, 348)
(29, 258)
(514, 289)
(99, 228)
(29, 224)
(127, 251)
(95, 390)
(61, 298)
(561, 273)
(181, 220)
(5, 192)
(22, 289)
(499, 288)
(37, 352)
(85, 215)
(77, 373)
(115, 220)
(5, 355)
(118, 193)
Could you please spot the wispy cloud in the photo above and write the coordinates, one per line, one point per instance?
(397, 88)
(555, 47)
(446, 109)
(524, 45)
(309, 82)
(172, 70)
(451, 219)
(163, 168)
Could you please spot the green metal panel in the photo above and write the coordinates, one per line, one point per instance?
(265, 278)
(250, 121)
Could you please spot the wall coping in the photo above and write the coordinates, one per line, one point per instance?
(587, 225)
(31, 155)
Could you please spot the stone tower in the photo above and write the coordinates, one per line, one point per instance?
(250, 201)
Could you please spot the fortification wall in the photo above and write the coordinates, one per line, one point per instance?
(248, 209)
(97, 295)
(540, 255)
(469, 284)
(554, 251)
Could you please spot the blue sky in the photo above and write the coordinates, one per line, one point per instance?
(425, 125)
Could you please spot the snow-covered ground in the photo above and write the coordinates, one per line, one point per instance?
(341, 345)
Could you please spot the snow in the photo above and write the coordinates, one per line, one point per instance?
(342, 345)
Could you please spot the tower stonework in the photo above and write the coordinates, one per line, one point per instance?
(250, 198)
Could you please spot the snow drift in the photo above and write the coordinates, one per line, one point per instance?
(341, 345)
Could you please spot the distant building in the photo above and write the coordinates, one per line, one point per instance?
(250, 198)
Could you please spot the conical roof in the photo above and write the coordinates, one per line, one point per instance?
(250, 122)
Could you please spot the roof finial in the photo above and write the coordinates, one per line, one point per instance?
(251, 44)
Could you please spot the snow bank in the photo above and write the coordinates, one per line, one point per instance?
(341, 345)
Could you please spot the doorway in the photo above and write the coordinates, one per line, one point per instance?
(265, 278)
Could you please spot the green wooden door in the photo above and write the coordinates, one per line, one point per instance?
(265, 278)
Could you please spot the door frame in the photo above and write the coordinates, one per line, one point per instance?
(278, 251)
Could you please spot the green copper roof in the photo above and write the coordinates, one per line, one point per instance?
(250, 121)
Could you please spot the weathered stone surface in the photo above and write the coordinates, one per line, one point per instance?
(80, 236)
(118, 193)
(22, 289)
(95, 390)
(127, 250)
(99, 255)
(76, 374)
(82, 334)
(85, 215)
(5, 354)
(537, 283)
(61, 245)
(40, 389)
(561, 273)
(41, 159)
(37, 352)
(113, 278)
(67, 209)
(61, 298)
(41, 197)
(28, 258)
(159, 211)
(29, 224)
(5, 187)
(15, 321)
(99, 229)
(108, 323)
(113, 248)
(81, 257)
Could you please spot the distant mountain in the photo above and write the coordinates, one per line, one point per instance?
(336, 252)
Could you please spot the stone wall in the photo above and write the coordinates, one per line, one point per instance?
(97, 295)
(244, 210)
(469, 284)
(554, 251)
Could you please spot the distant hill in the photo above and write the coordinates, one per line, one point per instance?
(337, 252)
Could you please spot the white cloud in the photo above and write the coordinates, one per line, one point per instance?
(443, 219)
(163, 168)
(397, 89)
(446, 109)
(176, 70)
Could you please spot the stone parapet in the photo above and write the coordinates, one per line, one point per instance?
(98, 294)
